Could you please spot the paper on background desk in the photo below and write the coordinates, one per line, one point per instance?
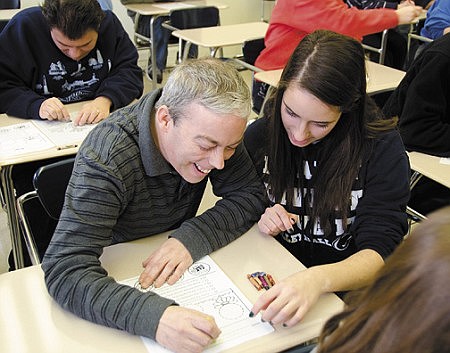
(173, 6)
(445, 160)
(40, 135)
(206, 288)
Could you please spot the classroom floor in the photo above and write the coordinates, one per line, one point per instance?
(208, 200)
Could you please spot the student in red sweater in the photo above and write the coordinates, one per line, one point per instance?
(291, 20)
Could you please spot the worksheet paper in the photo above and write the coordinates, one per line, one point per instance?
(24, 138)
(206, 288)
(40, 135)
(64, 134)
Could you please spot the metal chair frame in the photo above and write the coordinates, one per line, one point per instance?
(382, 49)
(50, 183)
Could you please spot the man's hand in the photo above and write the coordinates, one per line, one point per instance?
(166, 264)
(93, 112)
(185, 330)
(53, 109)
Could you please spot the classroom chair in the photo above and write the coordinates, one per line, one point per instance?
(416, 44)
(380, 50)
(250, 51)
(196, 17)
(50, 184)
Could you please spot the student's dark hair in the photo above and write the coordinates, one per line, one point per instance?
(406, 308)
(330, 66)
(73, 17)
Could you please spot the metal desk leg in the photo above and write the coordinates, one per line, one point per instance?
(415, 177)
(153, 52)
(11, 211)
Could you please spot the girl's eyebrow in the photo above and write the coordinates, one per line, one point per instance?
(313, 121)
(290, 110)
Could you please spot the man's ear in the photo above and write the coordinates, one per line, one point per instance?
(163, 118)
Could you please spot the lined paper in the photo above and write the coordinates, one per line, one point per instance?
(206, 288)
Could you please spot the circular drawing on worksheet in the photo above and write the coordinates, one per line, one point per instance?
(231, 311)
(199, 268)
(229, 306)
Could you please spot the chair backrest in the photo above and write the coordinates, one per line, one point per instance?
(251, 49)
(50, 183)
(9, 4)
(196, 17)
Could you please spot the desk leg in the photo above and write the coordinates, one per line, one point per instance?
(153, 52)
(213, 52)
(415, 177)
(11, 211)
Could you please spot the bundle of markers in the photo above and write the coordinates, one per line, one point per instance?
(261, 280)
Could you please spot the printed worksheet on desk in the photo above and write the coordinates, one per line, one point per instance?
(40, 135)
(206, 288)
(64, 133)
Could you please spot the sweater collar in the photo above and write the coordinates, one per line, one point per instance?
(154, 162)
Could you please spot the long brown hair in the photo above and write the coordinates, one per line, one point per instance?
(330, 66)
(407, 308)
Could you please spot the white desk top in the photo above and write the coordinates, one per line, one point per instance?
(6, 120)
(32, 322)
(150, 9)
(222, 36)
(7, 14)
(430, 167)
(381, 78)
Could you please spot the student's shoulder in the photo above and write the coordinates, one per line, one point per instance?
(257, 126)
(256, 137)
(30, 15)
(440, 45)
(27, 25)
(389, 143)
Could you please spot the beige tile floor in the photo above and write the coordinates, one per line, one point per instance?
(5, 243)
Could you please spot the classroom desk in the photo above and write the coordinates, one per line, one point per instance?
(156, 10)
(7, 14)
(32, 322)
(6, 167)
(430, 166)
(218, 37)
(427, 165)
(381, 78)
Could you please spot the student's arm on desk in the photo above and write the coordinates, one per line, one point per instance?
(93, 111)
(378, 228)
(242, 201)
(291, 298)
